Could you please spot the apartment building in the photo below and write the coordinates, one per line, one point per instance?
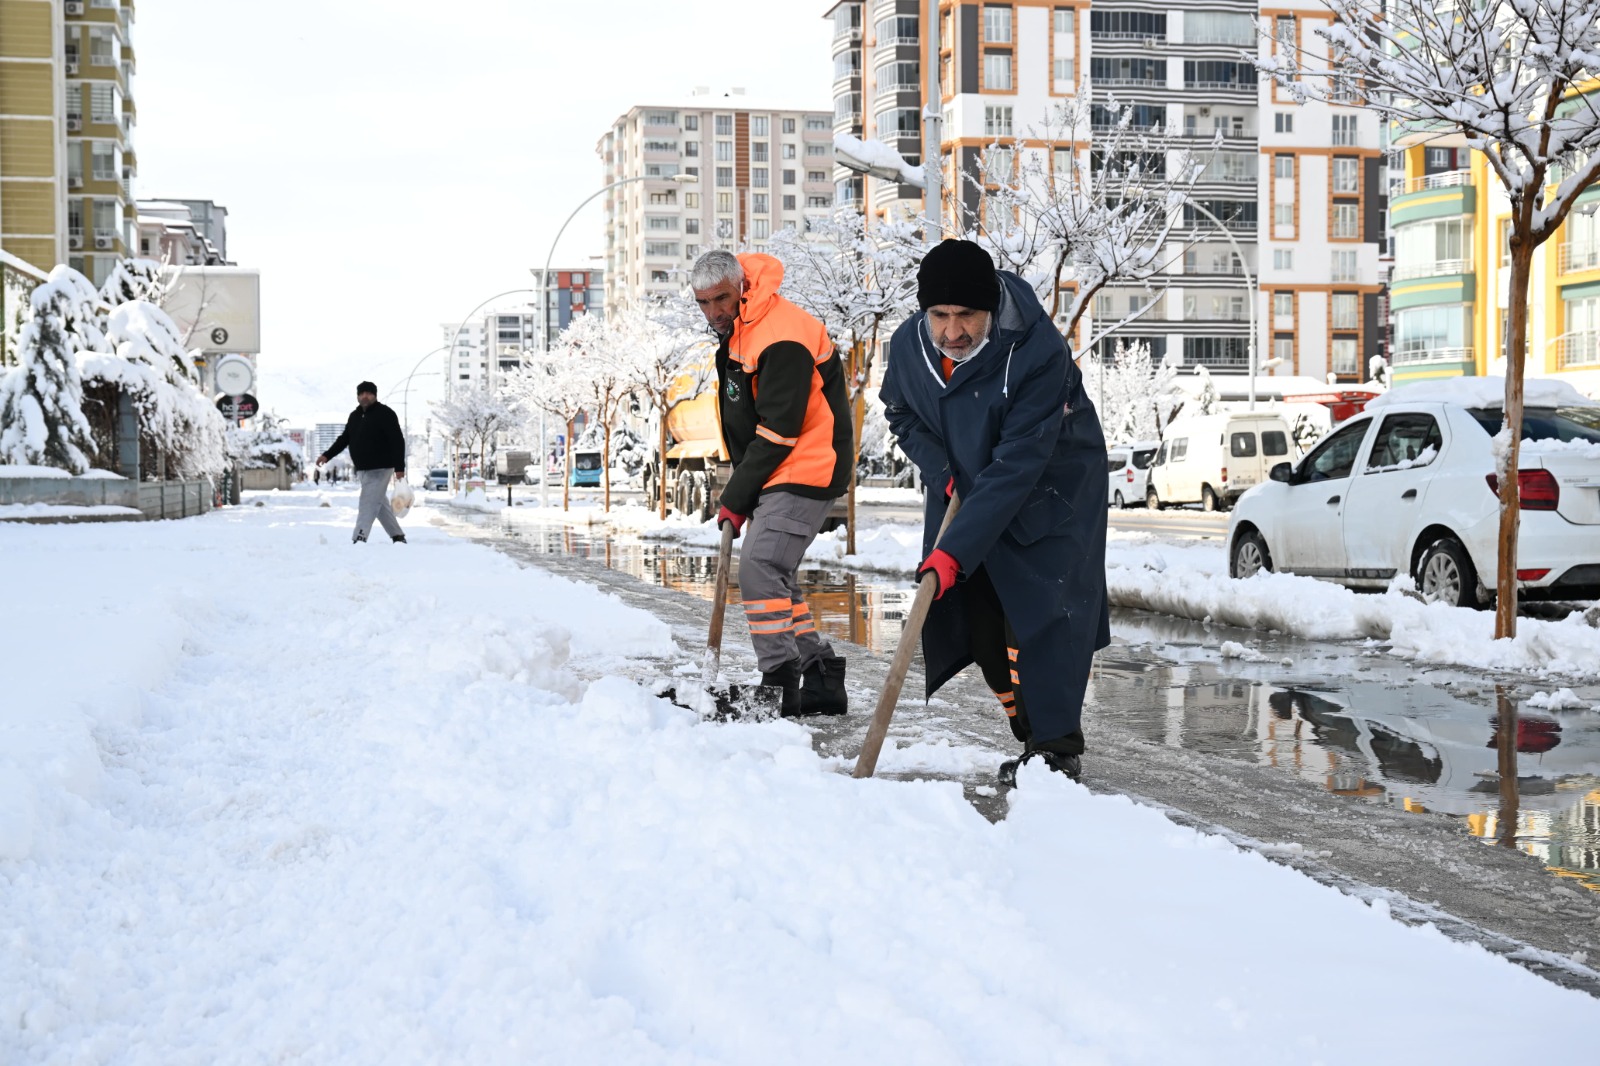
(1298, 193)
(182, 232)
(1452, 269)
(572, 292)
(713, 171)
(492, 344)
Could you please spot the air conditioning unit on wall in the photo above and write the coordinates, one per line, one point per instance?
(102, 242)
(75, 242)
(74, 124)
(75, 181)
(72, 66)
(74, 7)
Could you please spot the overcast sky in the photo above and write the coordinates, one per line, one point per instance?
(388, 163)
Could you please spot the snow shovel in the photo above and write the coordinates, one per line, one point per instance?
(867, 761)
(734, 701)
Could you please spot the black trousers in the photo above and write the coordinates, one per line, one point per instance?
(994, 649)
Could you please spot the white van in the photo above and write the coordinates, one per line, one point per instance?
(1129, 467)
(1212, 459)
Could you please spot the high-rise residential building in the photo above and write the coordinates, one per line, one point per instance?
(467, 366)
(1452, 268)
(572, 292)
(1298, 192)
(33, 131)
(758, 167)
(492, 344)
(877, 93)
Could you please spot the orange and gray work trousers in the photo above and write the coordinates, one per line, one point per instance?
(994, 649)
(775, 540)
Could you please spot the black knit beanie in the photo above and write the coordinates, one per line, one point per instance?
(959, 273)
(366, 386)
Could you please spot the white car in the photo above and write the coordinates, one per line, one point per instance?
(1129, 469)
(1408, 487)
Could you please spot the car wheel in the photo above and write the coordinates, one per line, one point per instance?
(1151, 500)
(1208, 499)
(1122, 504)
(1250, 555)
(1445, 574)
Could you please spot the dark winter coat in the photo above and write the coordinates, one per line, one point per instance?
(1016, 429)
(784, 407)
(375, 439)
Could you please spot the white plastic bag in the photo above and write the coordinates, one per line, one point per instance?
(401, 498)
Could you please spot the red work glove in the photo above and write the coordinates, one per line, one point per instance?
(943, 566)
(735, 520)
(950, 489)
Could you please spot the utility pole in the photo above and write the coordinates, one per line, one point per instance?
(932, 122)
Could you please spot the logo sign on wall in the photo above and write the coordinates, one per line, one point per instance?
(238, 408)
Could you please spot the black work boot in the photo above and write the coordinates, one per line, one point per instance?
(1064, 755)
(786, 678)
(822, 687)
(401, 539)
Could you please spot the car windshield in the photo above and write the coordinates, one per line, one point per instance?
(1546, 423)
(1141, 458)
(587, 462)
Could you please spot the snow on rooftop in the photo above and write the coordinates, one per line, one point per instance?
(1485, 392)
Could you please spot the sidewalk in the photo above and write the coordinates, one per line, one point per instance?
(266, 795)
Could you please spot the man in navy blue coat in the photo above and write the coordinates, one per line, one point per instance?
(982, 394)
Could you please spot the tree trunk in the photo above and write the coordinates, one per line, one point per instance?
(661, 463)
(1505, 614)
(566, 470)
(605, 465)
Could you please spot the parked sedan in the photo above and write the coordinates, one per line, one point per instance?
(1409, 488)
(437, 479)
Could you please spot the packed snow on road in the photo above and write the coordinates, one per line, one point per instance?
(268, 796)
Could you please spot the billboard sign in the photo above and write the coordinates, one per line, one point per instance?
(216, 309)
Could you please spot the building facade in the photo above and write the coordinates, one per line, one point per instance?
(572, 292)
(66, 127)
(1452, 275)
(757, 168)
(182, 232)
(1298, 193)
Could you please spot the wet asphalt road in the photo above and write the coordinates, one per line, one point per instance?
(1211, 757)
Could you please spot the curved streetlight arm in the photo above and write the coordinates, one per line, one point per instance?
(406, 404)
(1250, 287)
(456, 339)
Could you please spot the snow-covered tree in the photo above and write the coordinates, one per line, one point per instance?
(265, 446)
(1133, 394)
(135, 279)
(1512, 80)
(609, 374)
(1093, 203)
(555, 382)
(858, 283)
(41, 399)
(1207, 402)
(474, 416)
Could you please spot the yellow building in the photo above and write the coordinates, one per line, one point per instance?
(1449, 291)
(66, 121)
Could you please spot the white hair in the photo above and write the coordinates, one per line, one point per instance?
(713, 268)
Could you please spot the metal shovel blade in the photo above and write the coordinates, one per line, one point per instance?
(730, 703)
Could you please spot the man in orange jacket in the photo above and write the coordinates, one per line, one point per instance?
(786, 423)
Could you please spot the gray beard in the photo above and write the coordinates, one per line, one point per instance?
(968, 354)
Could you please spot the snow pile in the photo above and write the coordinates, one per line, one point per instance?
(1483, 392)
(13, 511)
(1560, 700)
(25, 471)
(394, 805)
(1576, 448)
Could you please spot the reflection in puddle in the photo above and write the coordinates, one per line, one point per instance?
(1418, 747)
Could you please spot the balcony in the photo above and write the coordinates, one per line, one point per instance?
(1439, 268)
(843, 34)
(1578, 349)
(1127, 83)
(1128, 35)
(1417, 356)
(1221, 86)
(1577, 255)
(893, 88)
(1423, 182)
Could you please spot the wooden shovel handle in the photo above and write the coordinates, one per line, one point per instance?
(719, 600)
(910, 636)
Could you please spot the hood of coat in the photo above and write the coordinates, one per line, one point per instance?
(765, 275)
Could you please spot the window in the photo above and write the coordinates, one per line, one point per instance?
(1283, 167)
(1283, 304)
(103, 165)
(725, 177)
(788, 203)
(724, 125)
(758, 151)
(1127, 25)
(816, 122)
(724, 203)
(1421, 331)
(1403, 443)
(813, 151)
(1344, 359)
(691, 199)
(1283, 259)
(1274, 442)
(724, 151)
(820, 176)
(760, 203)
(1283, 122)
(819, 201)
(1217, 72)
(1346, 175)
(1283, 215)
(1344, 266)
(1062, 19)
(1282, 31)
(661, 248)
(670, 197)
(1335, 457)
(661, 222)
(1242, 445)
(1113, 71)
(996, 24)
(1062, 71)
(691, 226)
(997, 71)
(760, 229)
(899, 29)
(896, 77)
(788, 177)
(788, 125)
(725, 229)
(691, 149)
(758, 177)
(996, 121)
(1344, 311)
(759, 125)
(897, 122)
(1115, 463)
(1218, 27)
(102, 47)
(1344, 130)
(105, 102)
(1283, 348)
(691, 251)
(1346, 221)
(691, 122)
(1216, 351)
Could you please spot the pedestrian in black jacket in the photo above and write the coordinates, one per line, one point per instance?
(378, 452)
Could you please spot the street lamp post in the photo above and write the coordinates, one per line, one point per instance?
(406, 404)
(544, 301)
(1250, 287)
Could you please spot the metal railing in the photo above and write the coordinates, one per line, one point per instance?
(1578, 255)
(1423, 182)
(1435, 269)
(1128, 83)
(1222, 86)
(1579, 349)
(896, 87)
(1128, 35)
(1414, 356)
